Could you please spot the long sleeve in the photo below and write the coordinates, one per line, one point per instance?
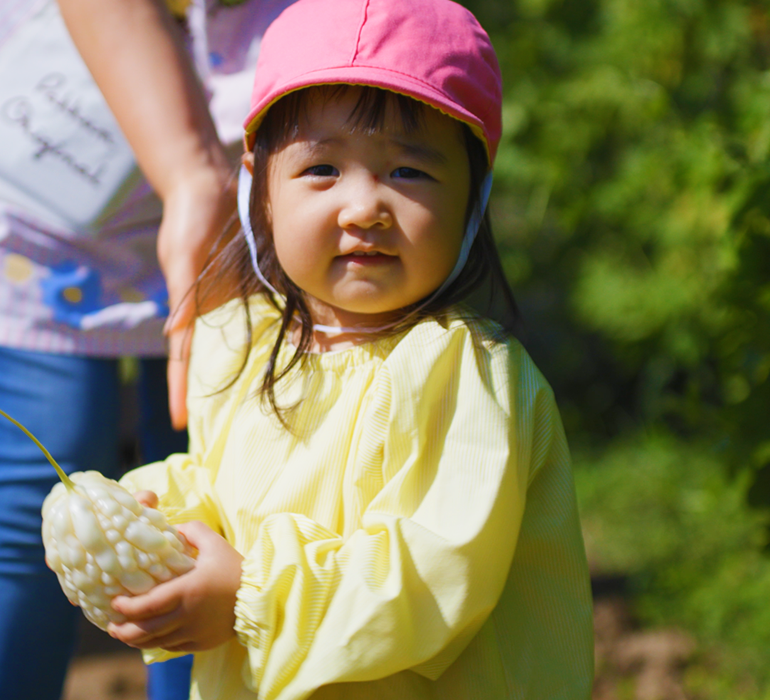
(185, 483)
(441, 494)
(184, 488)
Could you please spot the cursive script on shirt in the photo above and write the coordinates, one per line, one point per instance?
(21, 110)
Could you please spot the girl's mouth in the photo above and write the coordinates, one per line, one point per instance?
(370, 257)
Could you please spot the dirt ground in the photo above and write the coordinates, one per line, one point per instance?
(630, 663)
(633, 663)
(104, 669)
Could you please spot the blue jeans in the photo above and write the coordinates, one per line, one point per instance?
(71, 404)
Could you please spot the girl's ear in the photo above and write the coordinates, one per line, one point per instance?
(248, 160)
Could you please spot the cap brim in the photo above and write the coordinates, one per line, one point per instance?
(371, 77)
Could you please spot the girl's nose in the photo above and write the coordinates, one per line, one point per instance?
(365, 206)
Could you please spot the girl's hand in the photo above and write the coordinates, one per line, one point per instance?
(147, 498)
(193, 612)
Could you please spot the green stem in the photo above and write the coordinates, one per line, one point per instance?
(67, 481)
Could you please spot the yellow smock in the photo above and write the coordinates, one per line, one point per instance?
(413, 536)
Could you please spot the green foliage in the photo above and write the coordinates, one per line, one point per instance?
(666, 514)
(632, 207)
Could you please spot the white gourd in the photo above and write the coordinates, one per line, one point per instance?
(102, 543)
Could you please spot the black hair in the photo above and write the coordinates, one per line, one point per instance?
(481, 282)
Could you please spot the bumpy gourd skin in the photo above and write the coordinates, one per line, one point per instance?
(102, 542)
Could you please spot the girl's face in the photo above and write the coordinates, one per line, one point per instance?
(364, 223)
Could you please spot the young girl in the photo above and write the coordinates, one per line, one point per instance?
(378, 476)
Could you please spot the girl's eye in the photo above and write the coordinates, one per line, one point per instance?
(322, 171)
(407, 173)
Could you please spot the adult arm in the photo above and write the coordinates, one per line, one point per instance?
(135, 53)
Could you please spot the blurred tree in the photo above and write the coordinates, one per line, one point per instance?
(632, 205)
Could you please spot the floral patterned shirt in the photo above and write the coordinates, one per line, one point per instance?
(100, 292)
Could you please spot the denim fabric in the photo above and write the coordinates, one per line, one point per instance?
(170, 680)
(71, 404)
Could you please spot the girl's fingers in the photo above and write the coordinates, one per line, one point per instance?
(161, 600)
(173, 640)
(198, 534)
(147, 498)
(177, 640)
(148, 633)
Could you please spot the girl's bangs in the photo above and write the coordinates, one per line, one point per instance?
(282, 122)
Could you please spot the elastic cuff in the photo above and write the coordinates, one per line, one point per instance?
(250, 614)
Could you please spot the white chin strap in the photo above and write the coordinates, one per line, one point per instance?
(244, 195)
(471, 231)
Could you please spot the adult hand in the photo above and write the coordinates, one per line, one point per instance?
(193, 612)
(195, 214)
